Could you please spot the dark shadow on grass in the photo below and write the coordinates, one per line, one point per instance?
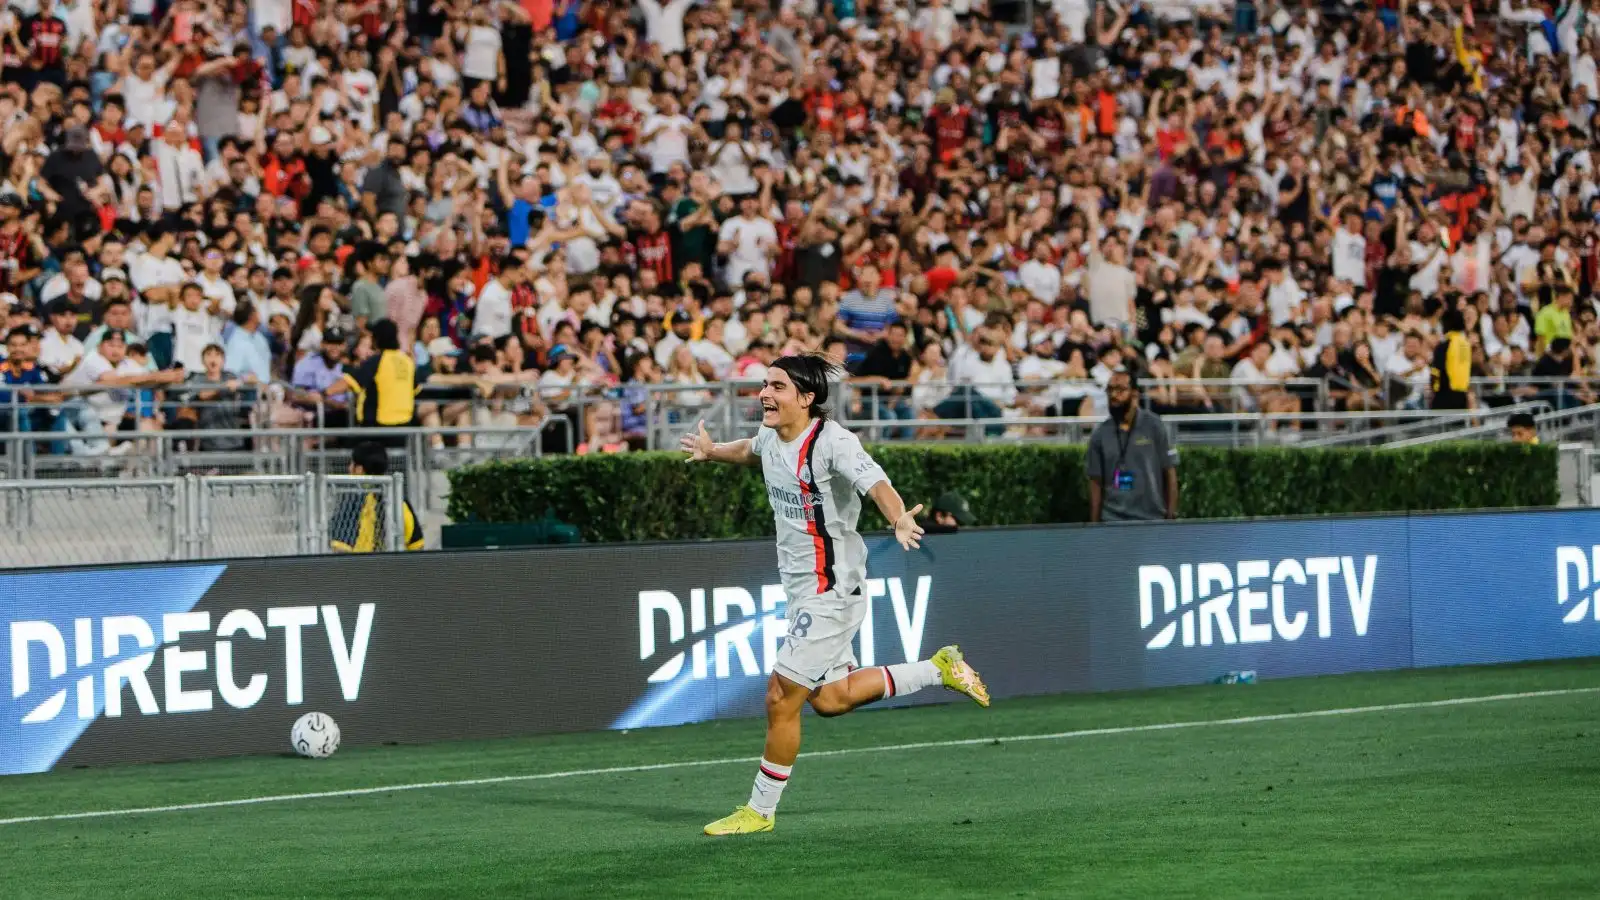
(693, 818)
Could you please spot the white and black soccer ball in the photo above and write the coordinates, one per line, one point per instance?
(315, 735)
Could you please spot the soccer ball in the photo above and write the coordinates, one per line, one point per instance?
(315, 735)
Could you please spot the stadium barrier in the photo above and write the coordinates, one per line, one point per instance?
(143, 663)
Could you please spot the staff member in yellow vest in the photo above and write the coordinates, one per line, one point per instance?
(359, 520)
(385, 385)
(1452, 364)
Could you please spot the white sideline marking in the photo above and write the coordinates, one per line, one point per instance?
(920, 745)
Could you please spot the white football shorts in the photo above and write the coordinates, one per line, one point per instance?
(817, 649)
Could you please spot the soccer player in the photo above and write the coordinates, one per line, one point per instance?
(814, 471)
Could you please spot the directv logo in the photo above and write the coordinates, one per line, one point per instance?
(1207, 593)
(729, 649)
(112, 654)
(1575, 561)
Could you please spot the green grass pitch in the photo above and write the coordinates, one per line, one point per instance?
(1493, 799)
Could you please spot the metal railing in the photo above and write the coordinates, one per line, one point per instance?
(193, 517)
(1400, 428)
(1576, 423)
(418, 453)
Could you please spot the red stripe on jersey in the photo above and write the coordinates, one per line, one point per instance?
(819, 540)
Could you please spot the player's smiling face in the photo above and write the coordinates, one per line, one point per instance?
(781, 404)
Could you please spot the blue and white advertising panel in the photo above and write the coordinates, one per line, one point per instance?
(143, 663)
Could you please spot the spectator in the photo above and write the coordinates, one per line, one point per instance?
(249, 353)
(318, 384)
(1523, 428)
(368, 303)
(217, 404)
(109, 407)
(383, 384)
(866, 312)
(1410, 369)
(949, 513)
(1452, 364)
(20, 407)
(883, 374)
(1132, 469)
(60, 351)
(359, 520)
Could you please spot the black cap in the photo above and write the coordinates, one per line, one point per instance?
(114, 333)
(682, 317)
(956, 505)
(58, 307)
(334, 335)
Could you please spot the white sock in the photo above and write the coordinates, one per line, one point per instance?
(908, 678)
(770, 779)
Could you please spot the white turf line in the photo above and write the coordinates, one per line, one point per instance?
(920, 745)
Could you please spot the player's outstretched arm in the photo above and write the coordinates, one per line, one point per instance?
(906, 529)
(701, 448)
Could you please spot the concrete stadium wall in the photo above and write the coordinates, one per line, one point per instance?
(159, 662)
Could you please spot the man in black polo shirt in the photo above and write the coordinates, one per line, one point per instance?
(889, 360)
(1133, 471)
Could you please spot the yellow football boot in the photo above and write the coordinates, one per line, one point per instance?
(958, 676)
(743, 820)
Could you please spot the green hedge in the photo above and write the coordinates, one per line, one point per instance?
(656, 496)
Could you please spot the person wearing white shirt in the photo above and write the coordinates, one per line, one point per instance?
(181, 170)
(605, 189)
(1042, 365)
(1429, 257)
(749, 241)
(937, 25)
(218, 292)
(107, 366)
(1518, 196)
(711, 351)
(143, 89)
(481, 58)
(1041, 277)
(193, 330)
(663, 23)
(272, 13)
(988, 370)
(62, 283)
(59, 350)
(1284, 294)
(681, 325)
(730, 161)
(1350, 251)
(492, 314)
(666, 134)
(1411, 366)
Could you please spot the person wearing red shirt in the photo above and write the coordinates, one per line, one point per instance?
(948, 126)
(822, 107)
(853, 116)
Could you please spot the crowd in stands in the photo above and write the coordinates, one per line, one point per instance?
(296, 212)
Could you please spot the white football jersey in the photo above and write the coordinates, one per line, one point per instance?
(815, 483)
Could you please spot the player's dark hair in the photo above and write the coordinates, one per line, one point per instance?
(810, 373)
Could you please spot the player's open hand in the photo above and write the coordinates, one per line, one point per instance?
(697, 444)
(906, 529)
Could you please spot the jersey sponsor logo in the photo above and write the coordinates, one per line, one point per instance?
(718, 639)
(1577, 574)
(1255, 601)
